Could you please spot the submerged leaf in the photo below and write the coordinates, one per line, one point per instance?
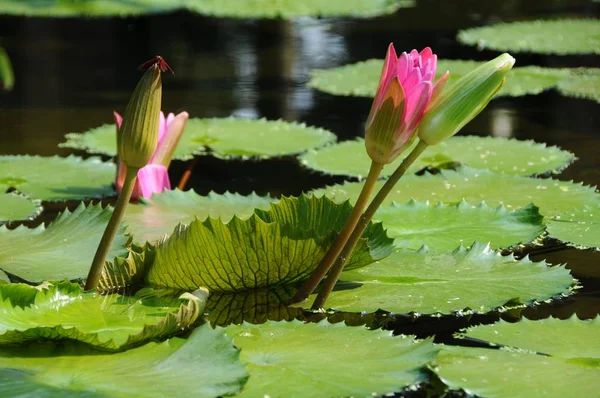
(14, 207)
(292, 359)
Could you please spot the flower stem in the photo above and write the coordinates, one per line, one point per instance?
(111, 229)
(361, 225)
(187, 174)
(332, 254)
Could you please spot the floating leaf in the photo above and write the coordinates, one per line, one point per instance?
(497, 154)
(15, 207)
(579, 227)
(293, 8)
(582, 83)
(551, 196)
(205, 365)
(476, 279)
(276, 247)
(360, 79)
(63, 250)
(292, 359)
(7, 76)
(89, 8)
(152, 218)
(114, 322)
(444, 227)
(56, 178)
(570, 370)
(560, 36)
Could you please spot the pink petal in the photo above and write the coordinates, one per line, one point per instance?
(403, 67)
(151, 179)
(118, 119)
(162, 127)
(439, 86)
(411, 80)
(166, 148)
(426, 55)
(430, 66)
(416, 102)
(387, 73)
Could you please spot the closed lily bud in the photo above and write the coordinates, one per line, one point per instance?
(138, 136)
(452, 109)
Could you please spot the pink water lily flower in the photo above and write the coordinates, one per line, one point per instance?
(406, 87)
(153, 178)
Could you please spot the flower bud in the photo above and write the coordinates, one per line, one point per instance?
(138, 135)
(459, 104)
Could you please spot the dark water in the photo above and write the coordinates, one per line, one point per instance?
(71, 73)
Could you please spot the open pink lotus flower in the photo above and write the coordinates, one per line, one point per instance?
(153, 178)
(404, 91)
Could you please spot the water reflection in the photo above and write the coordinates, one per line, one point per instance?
(502, 122)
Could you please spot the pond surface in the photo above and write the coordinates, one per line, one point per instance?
(71, 73)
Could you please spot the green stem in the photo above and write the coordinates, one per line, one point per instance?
(324, 266)
(111, 230)
(361, 225)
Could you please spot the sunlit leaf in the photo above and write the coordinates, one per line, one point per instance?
(560, 36)
(578, 227)
(582, 83)
(14, 207)
(476, 279)
(444, 227)
(62, 311)
(292, 359)
(205, 365)
(571, 369)
(90, 8)
(7, 76)
(152, 218)
(279, 246)
(551, 196)
(56, 178)
(62, 250)
(497, 154)
(293, 8)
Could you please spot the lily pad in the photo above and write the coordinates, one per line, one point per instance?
(279, 246)
(501, 155)
(560, 36)
(476, 279)
(582, 83)
(62, 311)
(14, 207)
(282, 362)
(152, 218)
(551, 196)
(360, 79)
(444, 227)
(568, 368)
(62, 250)
(294, 9)
(205, 365)
(7, 76)
(578, 227)
(88, 8)
(55, 178)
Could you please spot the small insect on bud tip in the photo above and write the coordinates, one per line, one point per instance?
(158, 62)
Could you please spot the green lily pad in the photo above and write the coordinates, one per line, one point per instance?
(62, 311)
(205, 365)
(55, 178)
(501, 155)
(582, 83)
(279, 246)
(560, 36)
(152, 218)
(282, 362)
(551, 196)
(7, 76)
(444, 227)
(88, 8)
(476, 279)
(15, 207)
(294, 9)
(62, 250)
(578, 227)
(571, 369)
(360, 79)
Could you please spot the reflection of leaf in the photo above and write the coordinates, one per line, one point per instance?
(7, 76)
(205, 365)
(292, 359)
(114, 322)
(279, 246)
(15, 207)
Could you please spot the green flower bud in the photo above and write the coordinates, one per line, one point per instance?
(138, 135)
(463, 100)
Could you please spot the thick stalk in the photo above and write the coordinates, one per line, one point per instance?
(361, 225)
(324, 266)
(111, 230)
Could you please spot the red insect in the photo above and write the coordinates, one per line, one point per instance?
(158, 61)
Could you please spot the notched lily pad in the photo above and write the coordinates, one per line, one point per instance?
(578, 227)
(476, 279)
(55, 178)
(88, 8)
(560, 36)
(582, 83)
(62, 250)
(277, 351)
(444, 227)
(15, 207)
